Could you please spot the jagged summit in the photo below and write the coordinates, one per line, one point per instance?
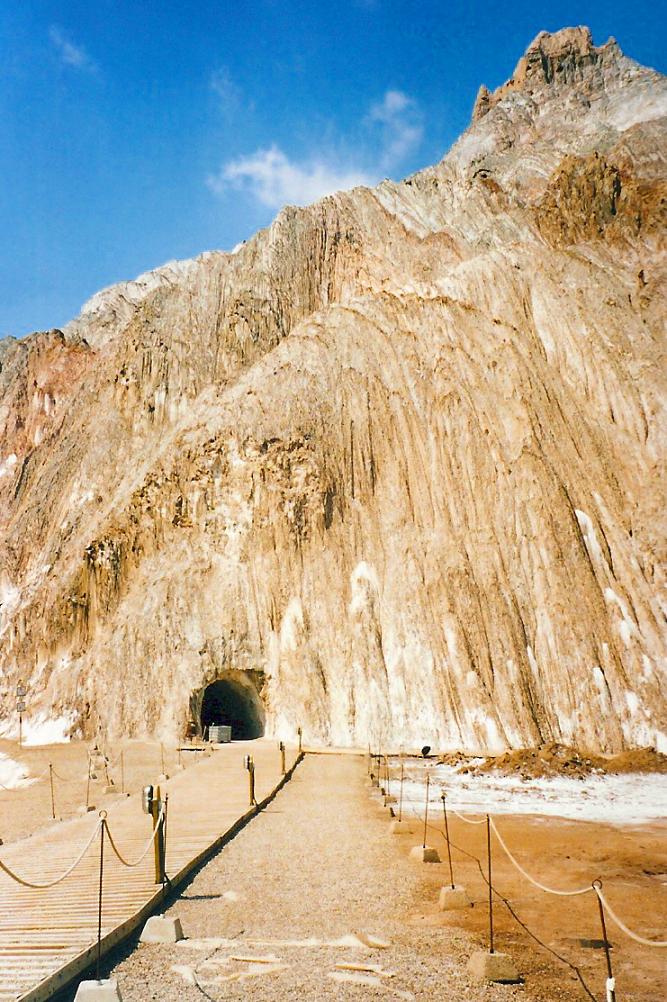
(566, 58)
(390, 471)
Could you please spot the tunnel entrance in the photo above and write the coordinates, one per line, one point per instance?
(233, 701)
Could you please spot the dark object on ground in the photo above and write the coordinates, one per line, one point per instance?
(425, 751)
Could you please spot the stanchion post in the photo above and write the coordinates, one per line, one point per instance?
(400, 796)
(156, 805)
(249, 764)
(299, 732)
(103, 816)
(449, 848)
(611, 988)
(283, 767)
(428, 783)
(88, 780)
(163, 845)
(53, 802)
(488, 855)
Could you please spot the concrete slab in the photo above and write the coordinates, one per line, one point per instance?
(161, 929)
(98, 991)
(498, 967)
(425, 854)
(402, 827)
(453, 899)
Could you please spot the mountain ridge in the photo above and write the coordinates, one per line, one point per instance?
(210, 465)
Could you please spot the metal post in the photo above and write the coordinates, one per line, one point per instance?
(20, 730)
(283, 768)
(488, 853)
(103, 816)
(428, 782)
(400, 798)
(53, 803)
(611, 993)
(249, 764)
(156, 804)
(300, 736)
(449, 848)
(386, 769)
(163, 845)
(88, 781)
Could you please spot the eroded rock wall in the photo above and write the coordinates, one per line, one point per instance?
(400, 455)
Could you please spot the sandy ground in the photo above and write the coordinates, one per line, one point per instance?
(27, 809)
(320, 864)
(317, 867)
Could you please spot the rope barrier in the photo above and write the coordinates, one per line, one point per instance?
(660, 943)
(58, 880)
(542, 887)
(510, 908)
(148, 844)
(468, 821)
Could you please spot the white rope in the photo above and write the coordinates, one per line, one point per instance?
(148, 844)
(52, 883)
(623, 927)
(468, 821)
(542, 887)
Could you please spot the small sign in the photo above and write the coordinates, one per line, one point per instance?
(20, 706)
(21, 690)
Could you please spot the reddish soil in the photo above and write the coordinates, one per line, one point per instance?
(632, 864)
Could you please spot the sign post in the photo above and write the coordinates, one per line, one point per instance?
(21, 692)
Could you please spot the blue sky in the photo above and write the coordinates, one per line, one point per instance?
(132, 132)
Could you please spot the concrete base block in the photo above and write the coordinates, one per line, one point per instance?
(486, 966)
(425, 854)
(390, 799)
(110, 789)
(402, 828)
(86, 809)
(163, 777)
(161, 929)
(98, 991)
(453, 899)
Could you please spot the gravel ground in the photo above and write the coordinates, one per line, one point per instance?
(316, 868)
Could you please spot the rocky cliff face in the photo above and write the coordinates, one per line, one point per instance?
(396, 462)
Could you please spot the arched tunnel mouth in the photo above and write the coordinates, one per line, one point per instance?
(234, 702)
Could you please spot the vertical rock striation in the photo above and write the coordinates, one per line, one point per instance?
(399, 458)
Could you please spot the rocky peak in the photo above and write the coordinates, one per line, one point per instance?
(563, 58)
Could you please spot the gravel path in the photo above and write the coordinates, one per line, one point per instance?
(300, 884)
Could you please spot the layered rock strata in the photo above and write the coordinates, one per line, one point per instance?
(398, 458)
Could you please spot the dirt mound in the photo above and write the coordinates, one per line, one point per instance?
(638, 760)
(559, 760)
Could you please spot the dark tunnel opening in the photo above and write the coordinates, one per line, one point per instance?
(235, 703)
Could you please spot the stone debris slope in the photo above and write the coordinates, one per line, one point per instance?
(401, 455)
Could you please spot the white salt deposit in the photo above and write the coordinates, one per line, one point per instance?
(624, 800)
(12, 774)
(40, 729)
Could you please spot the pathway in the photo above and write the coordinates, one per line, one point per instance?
(48, 935)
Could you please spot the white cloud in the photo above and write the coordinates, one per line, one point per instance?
(228, 93)
(401, 122)
(275, 180)
(70, 54)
